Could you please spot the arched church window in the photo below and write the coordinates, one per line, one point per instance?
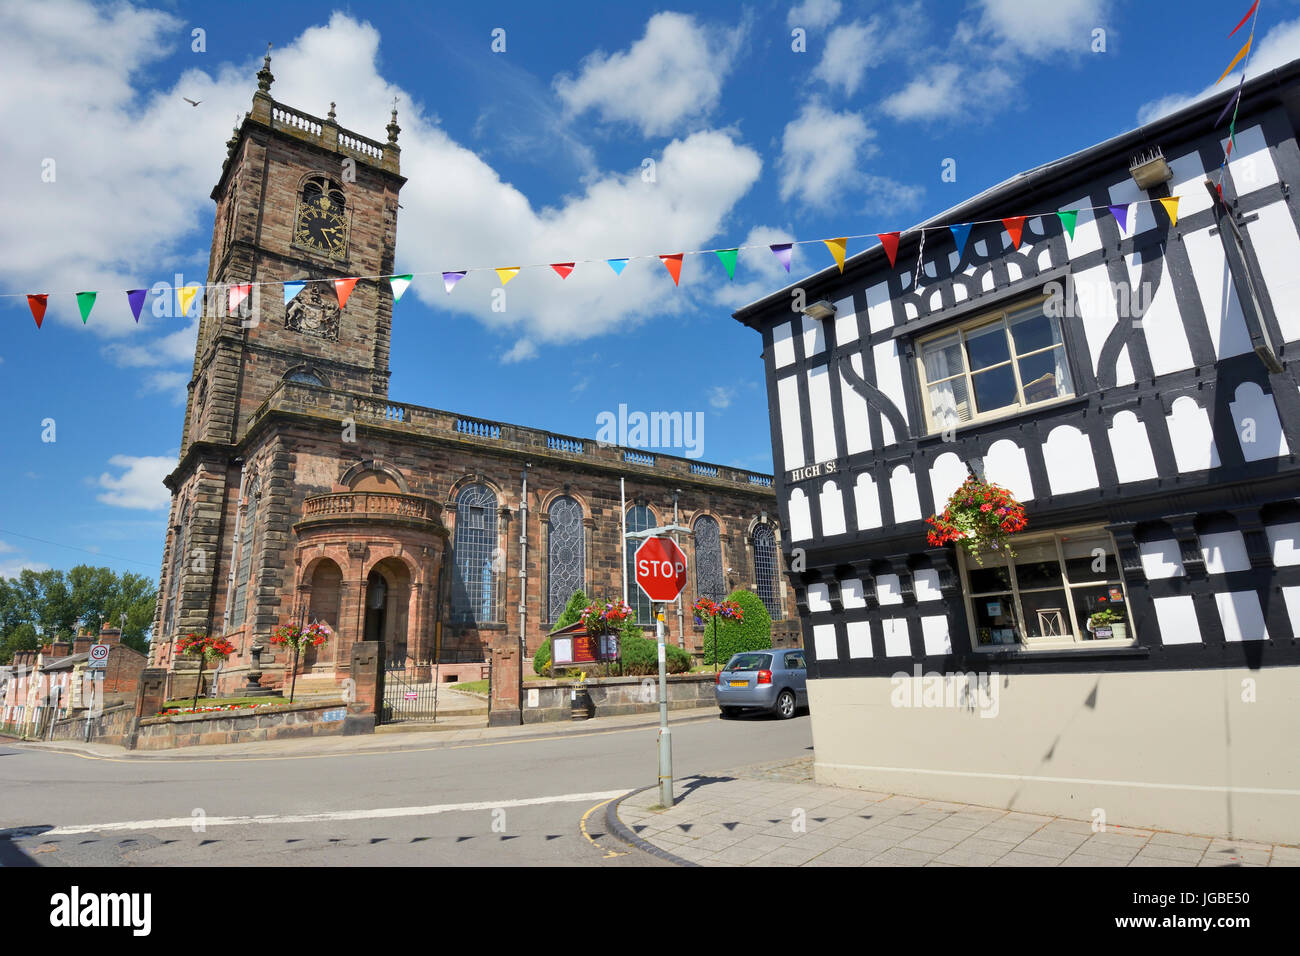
(639, 518)
(305, 376)
(566, 555)
(764, 541)
(243, 568)
(709, 580)
(475, 583)
(174, 569)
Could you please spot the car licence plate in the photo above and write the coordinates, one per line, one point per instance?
(740, 683)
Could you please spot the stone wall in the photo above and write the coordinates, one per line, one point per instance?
(546, 700)
(320, 719)
(113, 726)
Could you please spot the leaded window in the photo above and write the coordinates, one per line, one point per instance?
(639, 518)
(764, 541)
(566, 555)
(244, 567)
(476, 578)
(710, 581)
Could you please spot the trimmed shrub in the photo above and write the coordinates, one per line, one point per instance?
(640, 654)
(752, 633)
(571, 615)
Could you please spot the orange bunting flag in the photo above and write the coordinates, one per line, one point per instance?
(837, 247)
(562, 269)
(37, 304)
(673, 264)
(1171, 206)
(1014, 226)
(235, 295)
(343, 289)
(506, 273)
(1235, 60)
(890, 241)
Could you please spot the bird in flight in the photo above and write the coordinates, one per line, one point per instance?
(190, 101)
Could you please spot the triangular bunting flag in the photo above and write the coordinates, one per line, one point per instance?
(86, 302)
(37, 304)
(235, 295)
(961, 233)
(449, 280)
(135, 297)
(1249, 13)
(1014, 226)
(617, 265)
(399, 284)
(782, 252)
(673, 263)
(1121, 216)
(1232, 101)
(343, 289)
(291, 289)
(506, 273)
(562, 269)
(890, 241)
(728, 259)
(1068, 218)
(1235, 60)
(1171, 206)
(837, 247)
(185, 295)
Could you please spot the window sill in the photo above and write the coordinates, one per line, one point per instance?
(1067, 402)
(1021, 653)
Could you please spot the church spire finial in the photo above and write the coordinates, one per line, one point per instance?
(264, 76)
(330, 115)
(393, 128)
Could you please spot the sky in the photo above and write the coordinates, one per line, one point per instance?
(531, 133)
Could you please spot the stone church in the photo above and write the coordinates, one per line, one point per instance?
(304, 492)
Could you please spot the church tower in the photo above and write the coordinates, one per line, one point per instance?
(299, 199)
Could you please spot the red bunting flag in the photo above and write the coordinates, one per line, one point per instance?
(343, 288)
(890, 241)
(673, 264)
(1014, 225)
(562, 269)
(37, 304)
(235, 295)
(1249, 13)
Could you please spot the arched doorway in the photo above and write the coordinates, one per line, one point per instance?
(326, 592)
(388, 590)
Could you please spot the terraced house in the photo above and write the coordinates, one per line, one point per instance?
(1130, 374)
(303, 491)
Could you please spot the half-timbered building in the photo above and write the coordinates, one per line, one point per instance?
(1135, 385)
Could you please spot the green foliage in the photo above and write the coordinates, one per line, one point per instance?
(752, 633)
(571, 615)
(40, 606)
(639, 655)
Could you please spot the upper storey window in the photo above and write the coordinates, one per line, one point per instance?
(994, 365)
(321, 224)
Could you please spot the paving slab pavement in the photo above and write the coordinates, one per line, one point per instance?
(773, 814)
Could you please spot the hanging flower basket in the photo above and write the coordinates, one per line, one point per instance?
(981, 517)
(605, 618)
(300, 638)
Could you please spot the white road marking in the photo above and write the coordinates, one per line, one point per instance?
(170, 823)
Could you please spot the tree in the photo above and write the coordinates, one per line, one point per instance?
(41, 606)
(753, 632)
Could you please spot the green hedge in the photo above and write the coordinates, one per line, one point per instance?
(753, 632)
(638, 653)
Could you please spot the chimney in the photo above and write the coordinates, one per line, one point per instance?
(110, 635)
(59, 649)
(81, 645)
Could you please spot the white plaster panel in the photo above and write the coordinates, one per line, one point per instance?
(1218, 294)
(782, 345)
(934, 631)
(1188, 184)
(925, 581)
(902, 488)
(889, 589)
(846, 321)
(897, 642)
(1123, 368)
(866, 499)
(1068, 456)
(857, 415)
(1192, 436)
(1284, 542)
(1176, 616)
(1291, 596)
(1134, 460)
(889, 379)
(859, 638)
(1251, 166)
(1242, 616)
(880, 312)
(946, 475)
(824, 642)
(1224, 552)
(1259, 431)
(852, 594)
(823, 419)
(819, 598)
(1005, 465)
(1161, 322)
(1277, 248)
(814, 336)
(1161, 559)
(800, 519)
(832, 505)
(1096, 307)
(787, 399)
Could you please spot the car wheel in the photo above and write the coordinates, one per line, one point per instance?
(785, 705)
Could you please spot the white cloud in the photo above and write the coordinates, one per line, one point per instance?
(822, 154)
(175, 384)
(947, 92)
(849, 51)
(720, 396)
(674, 73)
(166, 349)
(140, 483)
(6, 548)
(813, 14)
(760, 271)
(521, 351)
(1278, 46)
(1040, 29)
(13, 569)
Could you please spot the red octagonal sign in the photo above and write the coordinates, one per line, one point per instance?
(660, 569)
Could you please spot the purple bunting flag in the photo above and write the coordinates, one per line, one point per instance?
(1121, 216)
(449, 280)
(782, 252)
(136, 298)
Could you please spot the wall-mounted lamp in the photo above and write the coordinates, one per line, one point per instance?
(821, 309)
(1149, 169)
(975, 468)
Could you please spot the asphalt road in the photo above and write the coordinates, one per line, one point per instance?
(510, 802)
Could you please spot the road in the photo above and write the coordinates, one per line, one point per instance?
(503, 803)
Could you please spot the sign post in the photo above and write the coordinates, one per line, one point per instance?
(661, 576)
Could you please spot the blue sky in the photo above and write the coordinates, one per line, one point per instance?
(534, 154)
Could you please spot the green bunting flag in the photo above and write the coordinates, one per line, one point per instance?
(728, 259)
(399, 284)
(86, 302)
(1068, 218)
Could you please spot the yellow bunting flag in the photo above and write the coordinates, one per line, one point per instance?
(185, 295)
(507, 273)
(1235, 60)
(837, 247)
(1171, 206)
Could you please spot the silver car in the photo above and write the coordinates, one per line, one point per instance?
(775, 680)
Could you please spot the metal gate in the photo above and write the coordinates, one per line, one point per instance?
(407, 699)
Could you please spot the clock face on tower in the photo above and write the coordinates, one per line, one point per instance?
(321, 224)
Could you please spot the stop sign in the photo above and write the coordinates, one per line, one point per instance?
(660, 569)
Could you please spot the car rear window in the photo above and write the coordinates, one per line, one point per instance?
(750, 662)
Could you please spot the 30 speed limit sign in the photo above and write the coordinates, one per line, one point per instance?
(98, 657)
